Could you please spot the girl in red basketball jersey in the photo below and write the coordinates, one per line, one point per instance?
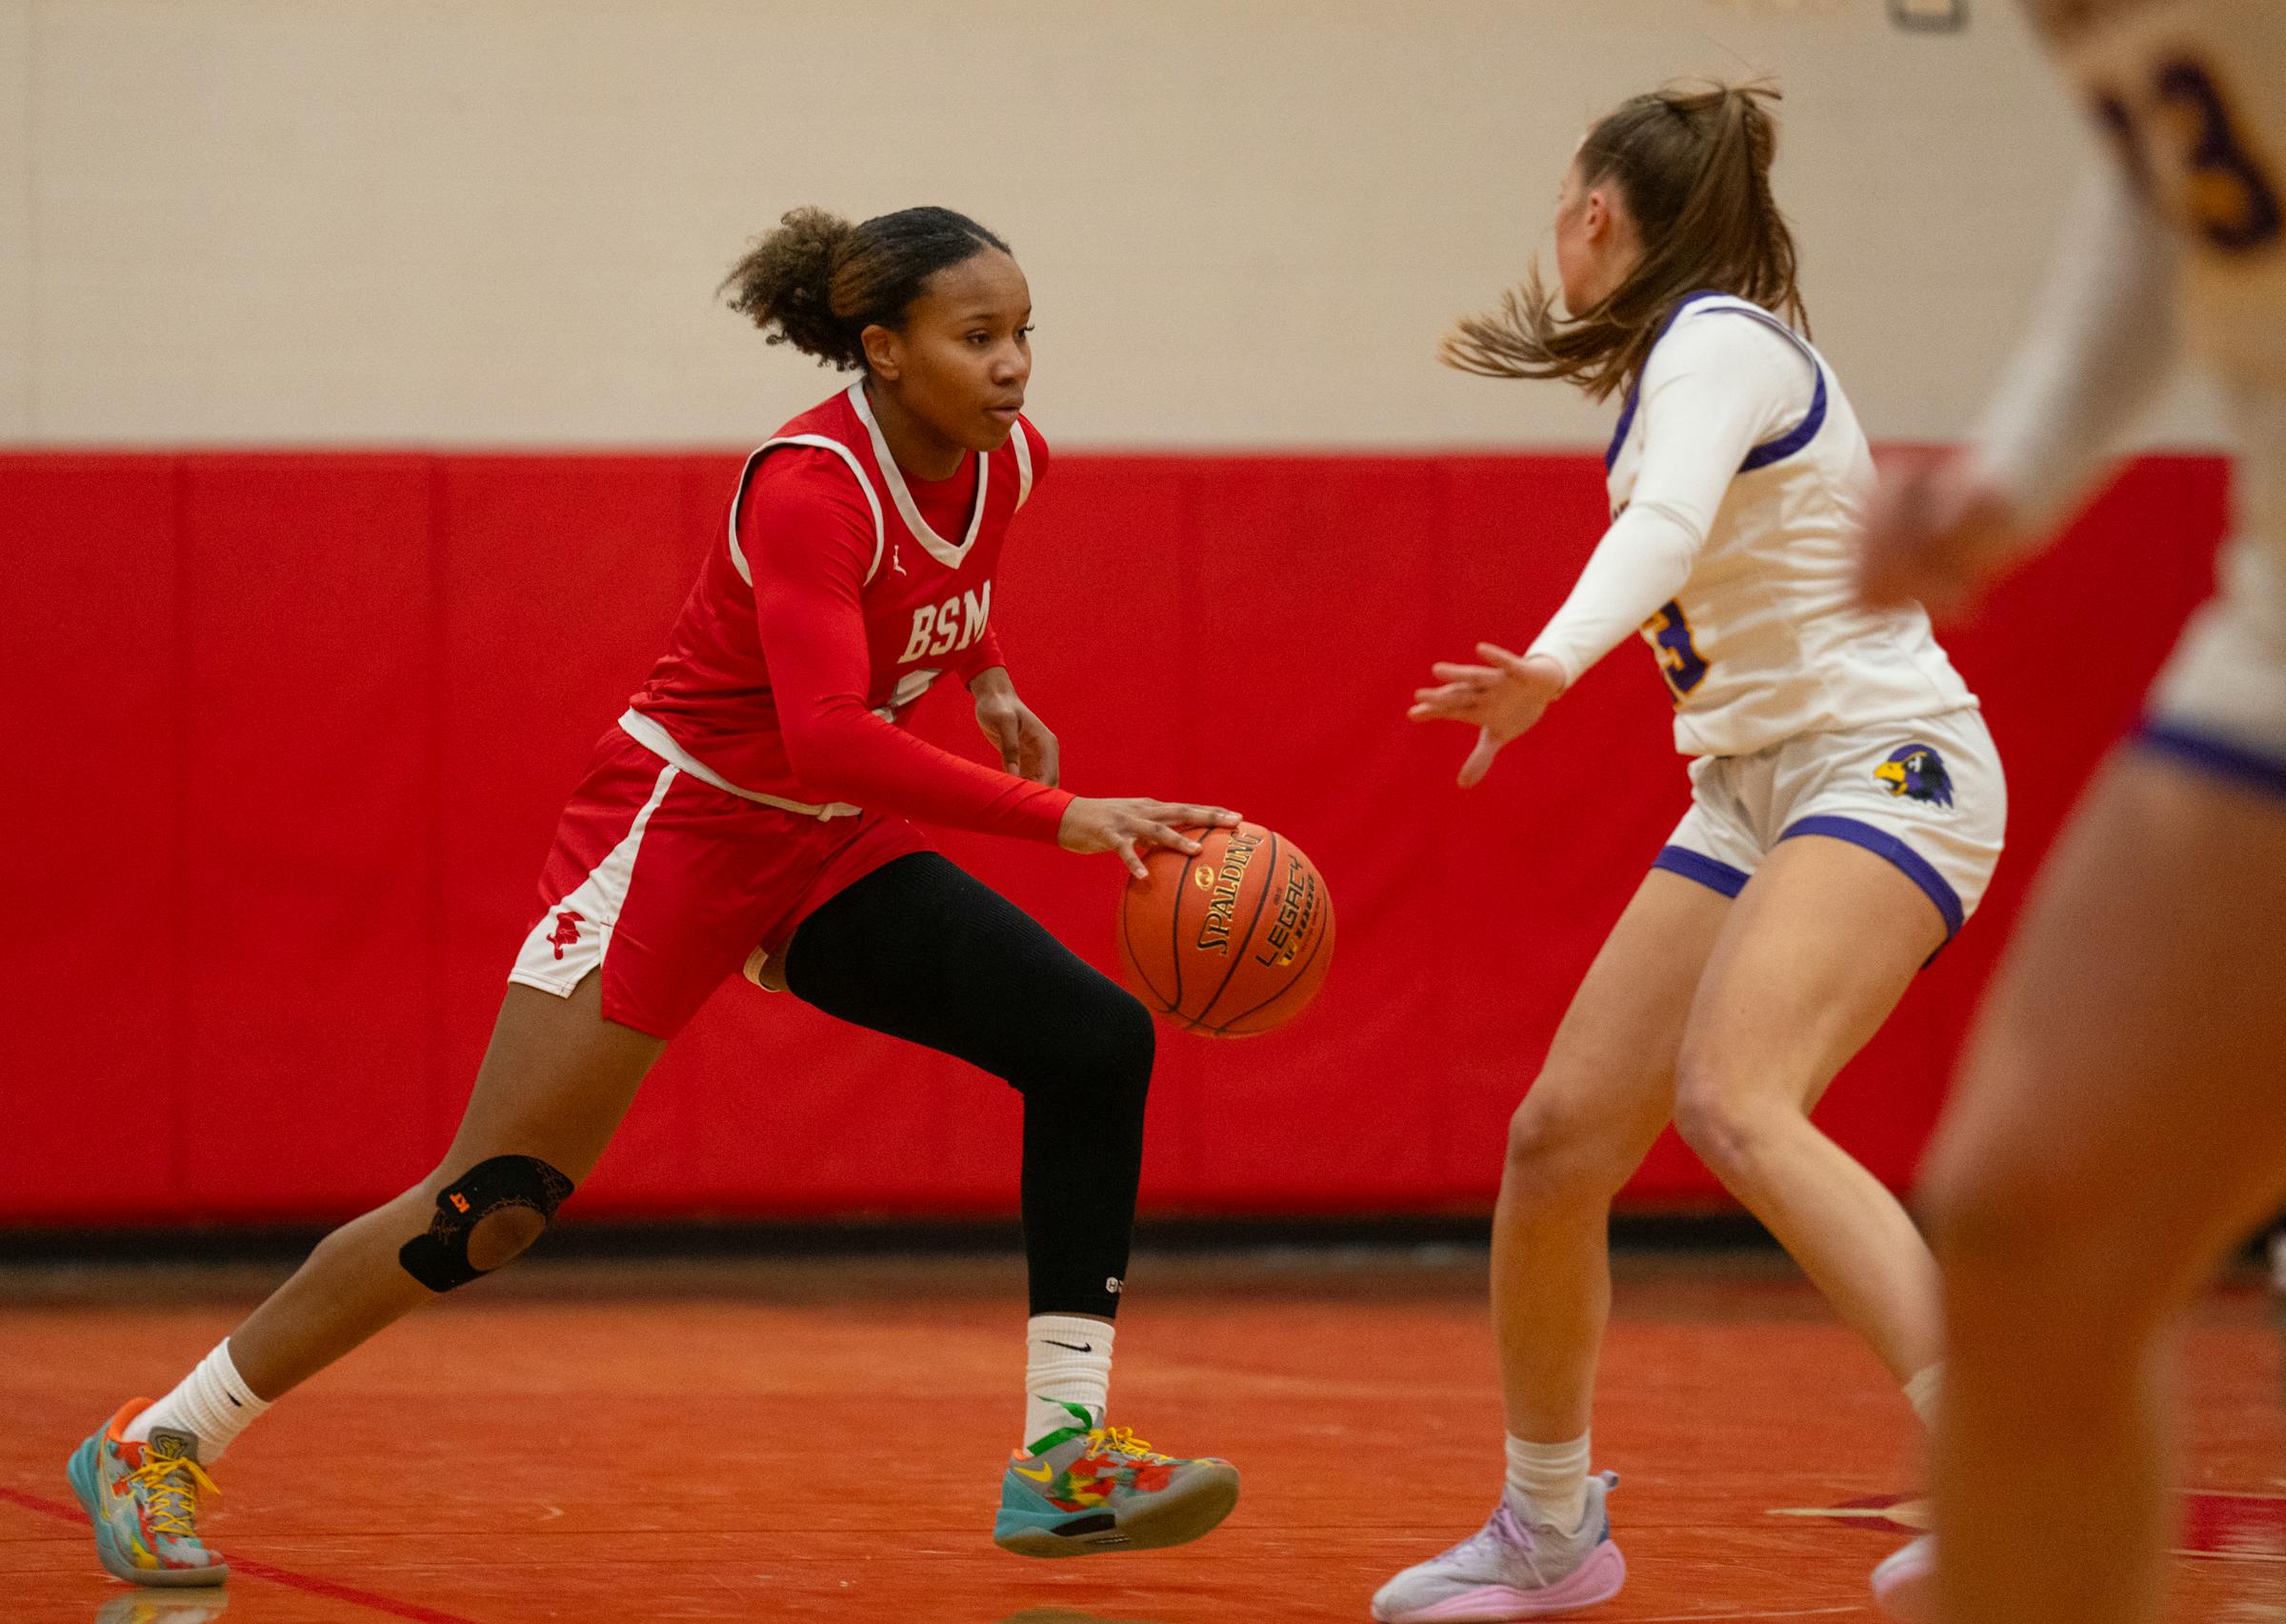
(748, 811)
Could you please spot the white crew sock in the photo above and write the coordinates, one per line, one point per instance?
(1068, 1360)
(1552, 1479)
(212, 1404)
(1923, 1393)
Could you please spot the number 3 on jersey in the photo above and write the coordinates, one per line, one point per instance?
(2227, 195)
(1680, 662)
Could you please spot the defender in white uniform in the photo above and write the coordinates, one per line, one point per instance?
(1737, 478)
(2176, 248)
(2120, 1121)
(1847, 810)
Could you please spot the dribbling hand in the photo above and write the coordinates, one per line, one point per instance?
(1504, 697)
(1121, 824)
(1939, 534)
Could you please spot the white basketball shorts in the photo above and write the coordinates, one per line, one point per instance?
(1927, 795)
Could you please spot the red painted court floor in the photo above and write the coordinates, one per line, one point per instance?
(737, 1441)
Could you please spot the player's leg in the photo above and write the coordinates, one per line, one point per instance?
(2120, 1125)
(921, 951)
(556, 1079)
(1600, 1098)
(1885, 838)
(554, 1086)
(1820, 946)
(642, 869)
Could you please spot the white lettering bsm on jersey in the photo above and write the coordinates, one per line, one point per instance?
(940, 628)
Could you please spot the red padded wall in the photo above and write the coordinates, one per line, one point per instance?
(89, 811)
(292, 731)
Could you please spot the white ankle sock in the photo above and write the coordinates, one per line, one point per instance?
(1923, 1393)
(212, 1404)
(1068, 1360)
(1552, 1479)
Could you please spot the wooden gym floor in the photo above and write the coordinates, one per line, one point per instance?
(803, 1441)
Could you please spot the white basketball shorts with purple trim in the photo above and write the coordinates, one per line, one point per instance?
(1925, 795)
(2219, 708)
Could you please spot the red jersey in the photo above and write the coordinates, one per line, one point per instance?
(841, 593)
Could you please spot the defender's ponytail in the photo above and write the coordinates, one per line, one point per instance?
(1693, 168)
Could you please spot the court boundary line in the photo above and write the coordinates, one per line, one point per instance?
(310, 1583)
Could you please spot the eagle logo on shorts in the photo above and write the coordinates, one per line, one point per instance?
(567, 930)
(1916, 773)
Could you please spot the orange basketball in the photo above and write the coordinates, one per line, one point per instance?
(1231, 942)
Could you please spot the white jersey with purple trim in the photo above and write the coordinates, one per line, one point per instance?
(1764, 640)
(2193, 93)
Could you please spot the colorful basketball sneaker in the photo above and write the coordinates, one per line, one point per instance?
(1085, 1488)
(1512, 1569)
(1905, 1583)
(143, 1499)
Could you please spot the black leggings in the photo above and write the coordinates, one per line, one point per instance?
(923, 951)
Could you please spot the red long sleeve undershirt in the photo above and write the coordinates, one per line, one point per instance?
(809, 539)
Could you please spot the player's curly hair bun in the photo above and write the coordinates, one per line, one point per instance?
(784, 285)
(817, 282)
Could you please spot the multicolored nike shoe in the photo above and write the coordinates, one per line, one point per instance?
(1086, 1488)
(143, 1499)
(1511, 1568)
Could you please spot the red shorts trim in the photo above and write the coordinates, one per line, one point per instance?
(665, 884)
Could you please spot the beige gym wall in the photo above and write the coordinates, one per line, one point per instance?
(1246, 221)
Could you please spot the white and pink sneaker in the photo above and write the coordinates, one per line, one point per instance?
(1905, 1583)
(1511, 1568)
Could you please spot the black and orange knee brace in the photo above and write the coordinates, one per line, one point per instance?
(439, 1259)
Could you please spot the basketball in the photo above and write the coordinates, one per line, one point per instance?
(1231, 942)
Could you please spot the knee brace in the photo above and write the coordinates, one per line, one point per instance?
(439, 1259)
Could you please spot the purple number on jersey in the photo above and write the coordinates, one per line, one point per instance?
(2229, 199)
(1680, 659)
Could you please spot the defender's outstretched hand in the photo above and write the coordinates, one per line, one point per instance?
(1107, 825)
(1503, 697)
(1941, 532)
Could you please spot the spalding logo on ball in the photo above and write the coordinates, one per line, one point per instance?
(1231, 942)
